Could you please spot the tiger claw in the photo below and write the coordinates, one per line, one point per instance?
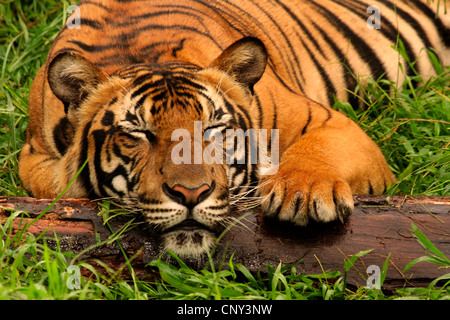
(301, 201)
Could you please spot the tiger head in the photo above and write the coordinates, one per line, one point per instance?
(144, 133)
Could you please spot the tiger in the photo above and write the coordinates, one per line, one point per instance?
(122, 77)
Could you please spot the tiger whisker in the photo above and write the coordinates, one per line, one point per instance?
(232, 222)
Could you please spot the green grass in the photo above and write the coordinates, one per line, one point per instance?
(411, 125)
(26, 33)
(30, 269)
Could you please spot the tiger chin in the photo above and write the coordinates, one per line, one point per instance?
(193, 243)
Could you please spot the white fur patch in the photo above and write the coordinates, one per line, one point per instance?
(188, 243)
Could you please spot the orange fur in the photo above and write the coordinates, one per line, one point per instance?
(325, 157)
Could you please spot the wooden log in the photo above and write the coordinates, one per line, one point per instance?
(380, 223)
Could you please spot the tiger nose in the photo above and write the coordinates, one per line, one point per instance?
(189, 197)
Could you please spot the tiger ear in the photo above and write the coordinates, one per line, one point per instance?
(72, 77)
(245, 60)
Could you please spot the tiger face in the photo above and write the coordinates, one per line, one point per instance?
(130, 126)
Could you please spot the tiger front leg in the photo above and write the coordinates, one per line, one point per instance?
(319, 173)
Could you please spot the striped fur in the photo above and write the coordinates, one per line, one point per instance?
(115, 90)
(312, 44)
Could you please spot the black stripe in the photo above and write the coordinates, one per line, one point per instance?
(139, 80)
(304, 29)
(370, 188)
(179, 47)
(241, 122)
(144, 199)
(178, 28)
(104, 179)
(108, 118)
(281, 80)
(239, 168)
(218, 11)
(145, 87)
(230, 108)
(308, 121)
(327, 110)
(133, 20)
(218, 207)
(114, 100)
(93, 48)
(63, 50)
(85, 2)
(260, 111)
(305, 32)
(85, 174)
(182, 82)
(154, 45)
(294, 66)
(141, 101)
(389, 30)
(254, 175)
(444, 32)
(328, 84)
(131, 117)
(99, 137)
(404, 38)
(244, 31)
(63, 135)
(118, 153)
(365, 51)
(90, 23)
(350, 80)
(275, 111)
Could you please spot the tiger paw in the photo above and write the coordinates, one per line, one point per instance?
(299, 195)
